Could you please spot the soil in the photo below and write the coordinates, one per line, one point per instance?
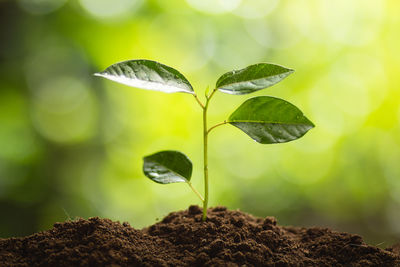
(227, 238)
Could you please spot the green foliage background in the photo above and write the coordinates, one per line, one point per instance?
(72, 145)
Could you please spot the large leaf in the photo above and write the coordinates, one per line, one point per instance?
(252, 78)
(167, 167)
(270, 120)
(147, 74)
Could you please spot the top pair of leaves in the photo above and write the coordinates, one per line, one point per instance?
(151, 75)
(266, 120)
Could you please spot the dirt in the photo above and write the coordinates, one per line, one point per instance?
(227, 238)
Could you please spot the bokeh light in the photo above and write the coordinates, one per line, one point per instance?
(350, 23)
(63, 110)
(40, 7)
(116, 9)
(255, 9)
(214, 7)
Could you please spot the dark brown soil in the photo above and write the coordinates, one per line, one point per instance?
(227, 238)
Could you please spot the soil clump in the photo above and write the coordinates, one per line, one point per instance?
(227, 238)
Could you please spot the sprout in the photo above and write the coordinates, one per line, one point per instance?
(267, 120)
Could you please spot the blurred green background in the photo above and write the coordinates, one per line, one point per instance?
(71, 144)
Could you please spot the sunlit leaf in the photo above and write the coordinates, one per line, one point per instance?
(167, 167)
(252, 78)
(147, 74)
(270, 120)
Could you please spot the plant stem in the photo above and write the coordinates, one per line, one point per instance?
(205, 161)
(205, 149)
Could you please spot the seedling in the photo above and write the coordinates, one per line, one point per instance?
(266, 119)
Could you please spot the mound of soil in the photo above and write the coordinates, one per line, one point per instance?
(227, 238)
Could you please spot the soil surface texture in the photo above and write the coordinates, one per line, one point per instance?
(227, 238)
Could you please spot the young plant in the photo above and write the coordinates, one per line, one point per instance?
(266, 119)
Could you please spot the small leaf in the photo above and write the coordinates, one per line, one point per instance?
(167, 167)
(270, 120)
(147, 74)
(252, 78)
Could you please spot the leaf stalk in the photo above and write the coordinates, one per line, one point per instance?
(198, 101)
(195, 191)
(216, 125)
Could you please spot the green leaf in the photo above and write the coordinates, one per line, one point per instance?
(252, 78)
(270, 120)
(167, 167)
(147, 74)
